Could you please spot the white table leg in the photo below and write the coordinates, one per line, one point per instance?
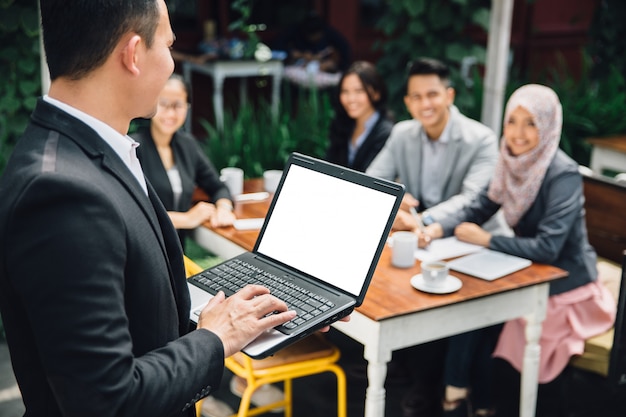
(187, 78)
(218, 101)
(243, 92)
(276, 81)
(376, 375)
(530, 372)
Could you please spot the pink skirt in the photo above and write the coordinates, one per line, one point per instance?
(571, 318)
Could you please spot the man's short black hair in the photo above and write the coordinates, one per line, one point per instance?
(79, 35)
(428, 66)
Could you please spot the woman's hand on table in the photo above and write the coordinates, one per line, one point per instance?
(472, 233)
(194, 217)
(223, 215)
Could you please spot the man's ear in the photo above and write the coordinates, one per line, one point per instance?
(130, 54)
(451, 92)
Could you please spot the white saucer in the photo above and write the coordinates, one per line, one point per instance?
(451, 284)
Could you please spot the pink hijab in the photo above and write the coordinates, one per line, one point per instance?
(517, 179)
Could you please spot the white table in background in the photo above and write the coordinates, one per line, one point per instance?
(608, 153)
(220, 70)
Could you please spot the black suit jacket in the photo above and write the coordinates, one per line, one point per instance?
(92, 283)
(194, 167)
(337, 151)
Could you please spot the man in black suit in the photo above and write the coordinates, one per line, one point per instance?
(92, 283)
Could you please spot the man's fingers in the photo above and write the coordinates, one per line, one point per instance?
(252, 290)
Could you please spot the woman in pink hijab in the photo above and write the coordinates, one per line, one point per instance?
(540, 191)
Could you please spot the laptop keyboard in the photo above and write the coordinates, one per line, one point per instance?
(235, 274)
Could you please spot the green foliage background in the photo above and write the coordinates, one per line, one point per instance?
(20, 78)
(20, 73)
(255, 140)
(436, 29)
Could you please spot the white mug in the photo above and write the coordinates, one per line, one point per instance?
(435, 273)
(271, 178)
(403, 249)
(233, 178)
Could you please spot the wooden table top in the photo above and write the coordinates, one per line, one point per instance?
(617, 143)
(390, 293)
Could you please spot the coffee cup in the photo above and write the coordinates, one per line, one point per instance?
(435, 273)
(271, 178)
(233, 178)
(403, 249)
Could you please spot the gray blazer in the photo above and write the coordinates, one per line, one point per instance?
(470, 161)
(552, 231)
(92, 283)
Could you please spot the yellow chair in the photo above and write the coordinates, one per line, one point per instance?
(192, 268)
(311, 355)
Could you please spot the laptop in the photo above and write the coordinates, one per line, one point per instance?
(319, 245)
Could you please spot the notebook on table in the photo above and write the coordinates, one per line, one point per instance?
(318, 247)
(489, 264)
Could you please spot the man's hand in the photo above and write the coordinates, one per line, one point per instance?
(404, 221)
(240, 318)
(408, 201)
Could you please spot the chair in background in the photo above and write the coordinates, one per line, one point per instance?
(605, 354)
(191, 268)
(311, 355)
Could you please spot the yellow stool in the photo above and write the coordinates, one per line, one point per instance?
(191, 268)
(311, 355)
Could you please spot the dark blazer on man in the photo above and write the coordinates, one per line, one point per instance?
(92, 283)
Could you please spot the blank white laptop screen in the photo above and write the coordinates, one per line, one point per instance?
(326, 227)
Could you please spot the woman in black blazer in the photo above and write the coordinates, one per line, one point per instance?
(360, 127)
(175, 165)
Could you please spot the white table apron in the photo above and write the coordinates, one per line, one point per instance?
(381, 338)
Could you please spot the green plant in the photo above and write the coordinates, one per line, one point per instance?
(199, 255)
(20, 75)
(437, 29)
(244, 9)
(591, 108)
(19, 71)
(606, 38)
(255, 140)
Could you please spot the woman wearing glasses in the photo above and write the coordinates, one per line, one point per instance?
(175, 164)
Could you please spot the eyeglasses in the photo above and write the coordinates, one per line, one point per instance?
(177, 106)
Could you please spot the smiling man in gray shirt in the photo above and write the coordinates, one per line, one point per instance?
(442, 157)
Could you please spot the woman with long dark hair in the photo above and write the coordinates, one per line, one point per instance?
(361, 125)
